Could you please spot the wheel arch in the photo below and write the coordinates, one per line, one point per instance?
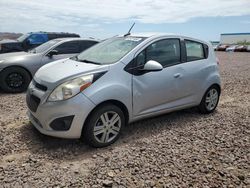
(216, 85)
(117, 103)
(211, 85)
(114, 102)
(212, 80)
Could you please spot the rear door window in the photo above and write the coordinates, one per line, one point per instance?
(71, 47)
(194, 50)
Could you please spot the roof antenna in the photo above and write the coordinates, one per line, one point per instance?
(129, 30)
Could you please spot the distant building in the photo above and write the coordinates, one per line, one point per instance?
(215, 42)
(234, 38)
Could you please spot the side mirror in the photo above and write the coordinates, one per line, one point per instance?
(152, 65)
(52, 52)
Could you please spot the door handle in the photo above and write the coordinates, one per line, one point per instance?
(177, 75)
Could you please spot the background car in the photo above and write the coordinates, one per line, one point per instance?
(18, 68)
(222, 47)
(231, 48)
(215, 44)
(215, 47)
(31, 40)
(240, 48)
(248, 48)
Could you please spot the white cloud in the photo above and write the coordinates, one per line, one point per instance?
(88, 14)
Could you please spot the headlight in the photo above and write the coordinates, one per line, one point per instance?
(71, 88)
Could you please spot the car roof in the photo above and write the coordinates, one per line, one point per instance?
(57, 33)
(153, 35)
(74, 38)
(149, 34)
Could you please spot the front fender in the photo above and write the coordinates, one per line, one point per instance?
(29, 64)
(111, 92)
(116, 85)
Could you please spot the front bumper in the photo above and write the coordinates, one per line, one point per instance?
(78, 106)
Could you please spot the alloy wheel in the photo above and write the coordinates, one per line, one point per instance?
(107, 127)
(212, 99)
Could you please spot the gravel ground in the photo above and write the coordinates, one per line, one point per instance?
(181, 149)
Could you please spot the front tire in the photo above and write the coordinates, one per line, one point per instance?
(104, 126)
(14, 80)
(210, 100)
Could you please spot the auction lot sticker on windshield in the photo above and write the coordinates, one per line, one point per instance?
(133, 39)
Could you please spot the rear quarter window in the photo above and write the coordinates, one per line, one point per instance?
(195, 50)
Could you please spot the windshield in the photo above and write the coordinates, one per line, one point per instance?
(109, 51)
(44, 47)
(23, 37)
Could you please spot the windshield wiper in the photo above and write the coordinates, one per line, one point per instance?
(87, 61)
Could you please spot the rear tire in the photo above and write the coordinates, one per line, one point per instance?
(14, 80)
(104, 125)
(210, 100)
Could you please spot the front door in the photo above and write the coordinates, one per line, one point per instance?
(157, 91)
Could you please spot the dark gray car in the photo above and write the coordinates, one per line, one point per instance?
(18, 68)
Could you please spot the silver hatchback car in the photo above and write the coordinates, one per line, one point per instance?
(121, 80)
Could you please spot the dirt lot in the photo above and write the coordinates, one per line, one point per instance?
(181, 149)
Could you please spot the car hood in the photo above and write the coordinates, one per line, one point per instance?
(8, 41)
(59, 71)
(15, 55)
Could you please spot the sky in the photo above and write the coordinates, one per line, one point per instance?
(203, 19)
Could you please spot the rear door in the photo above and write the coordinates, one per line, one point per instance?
(195, 70)
(65, 50)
